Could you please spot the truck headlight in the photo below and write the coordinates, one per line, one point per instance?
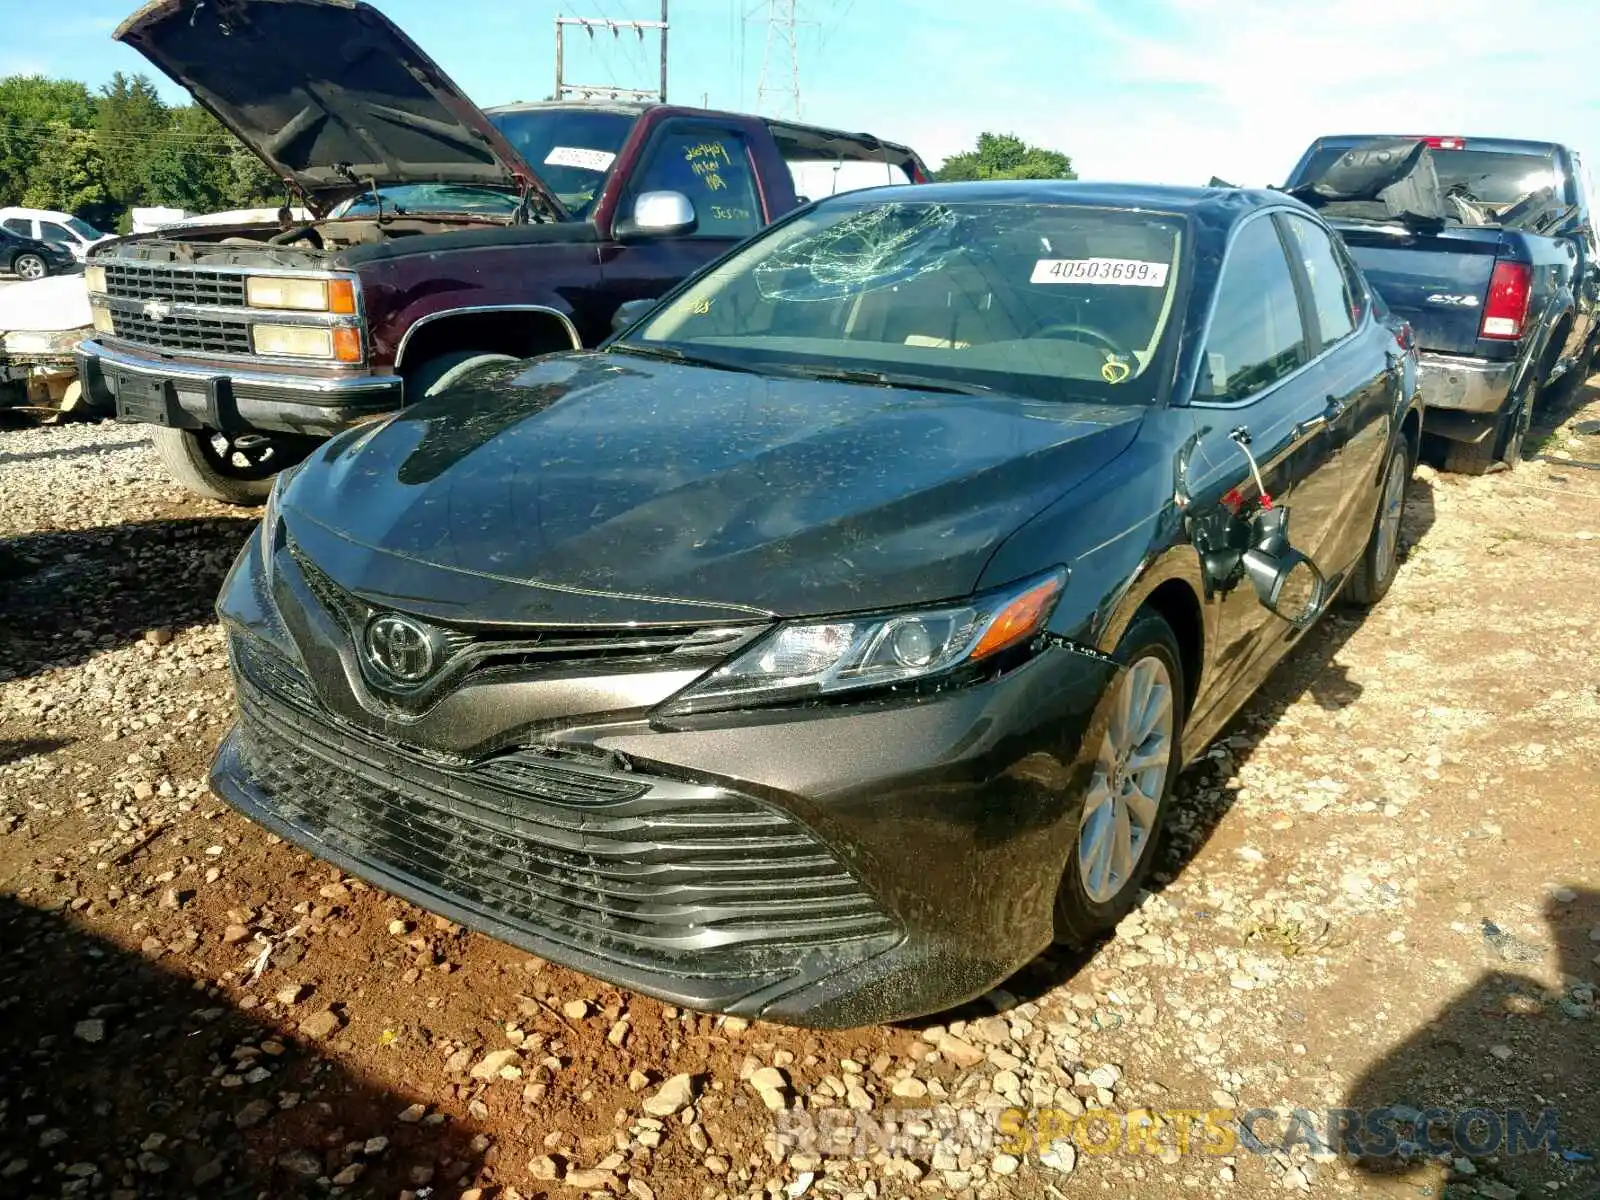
(801, 660)
(295, 341)
(300, 294)
(102, 318)
(94, 278)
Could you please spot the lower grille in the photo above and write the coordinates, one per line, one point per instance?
(200, 335)
(650, 873)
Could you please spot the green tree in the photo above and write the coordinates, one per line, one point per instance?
(31, 106)
(71, 178)
(198, 165)
(129, 118)
(1005, 156)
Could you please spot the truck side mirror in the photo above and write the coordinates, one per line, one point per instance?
(659, 214)
(628, 312)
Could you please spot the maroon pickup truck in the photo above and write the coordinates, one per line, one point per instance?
(442, 234)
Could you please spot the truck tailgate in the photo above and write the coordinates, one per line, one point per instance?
(1437, 281)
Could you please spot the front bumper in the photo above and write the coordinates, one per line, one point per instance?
(152, 391)
(1466, 385)
(829, 867)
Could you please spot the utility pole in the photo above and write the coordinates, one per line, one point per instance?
(579, 91)
(774, 96)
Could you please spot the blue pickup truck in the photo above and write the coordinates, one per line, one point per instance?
(1488, 248)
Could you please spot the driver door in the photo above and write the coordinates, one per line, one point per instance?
(710, 163)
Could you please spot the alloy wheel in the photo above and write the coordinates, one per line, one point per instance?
(1389, 514)
(1130, 780)
(30, 266)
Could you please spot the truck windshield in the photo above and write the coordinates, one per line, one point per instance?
(572, 149)
(1049, 301)
(1494, 178)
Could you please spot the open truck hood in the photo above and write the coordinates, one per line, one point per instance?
(330, 93)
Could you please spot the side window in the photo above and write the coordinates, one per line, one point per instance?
(51, 232)
(1330, 285)
(18, 226)
(1256, 336)
(712, 167)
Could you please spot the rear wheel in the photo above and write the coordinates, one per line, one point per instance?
(30, 266)
(1125, 805)
(1379, 561)
(233, 468)
(1498, 450)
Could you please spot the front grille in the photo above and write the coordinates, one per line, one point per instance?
(651, 873)
(130, 281)
(200, 335)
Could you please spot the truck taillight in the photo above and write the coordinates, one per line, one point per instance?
(1444, 143)
(1510, 288)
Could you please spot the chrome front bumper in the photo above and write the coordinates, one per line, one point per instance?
(156, 392)
(1465, 385)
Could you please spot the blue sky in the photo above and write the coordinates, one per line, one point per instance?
(1163, 90)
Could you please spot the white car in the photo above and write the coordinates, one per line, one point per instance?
(44, 225)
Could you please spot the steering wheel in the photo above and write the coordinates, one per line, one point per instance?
(1068, 329)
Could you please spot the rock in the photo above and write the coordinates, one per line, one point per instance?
(618, 1034)
(1496, 1190)
(1594, 934)
(349, 1175)
(956, 1050)
(234, 934)
(910, 1089)
(1105, 1077)
(1005, 1164)
(638, 1081)
(292, 994)
(674, 1096)
(576, 1010)
(302, 1163)
(92, 1032)
(158, 637)
(769, 1083)
(143, 791)
(399, 928)
(322, 1025)
(592, 1180)
(253, 1114)
(375, 1146)
(1062, 1157)
(207, 1173)
(544, 1168)
(1503, 1053)
(413, 1114)
(640, 1189)
(1563, 895)
(491, 1064)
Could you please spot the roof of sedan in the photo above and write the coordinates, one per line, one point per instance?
(1156, 197)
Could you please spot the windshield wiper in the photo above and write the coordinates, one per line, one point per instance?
(889, 379)
(673, 354)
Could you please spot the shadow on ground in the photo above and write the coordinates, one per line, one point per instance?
(1204, 799)
(67, 595)
(120, 1077)
(1504, 1075)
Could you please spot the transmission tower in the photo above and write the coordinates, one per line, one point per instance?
(774, 96)
(589, 25)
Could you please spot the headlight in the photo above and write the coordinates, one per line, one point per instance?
(102, 318)
(94, 278)
(299, 341)
(805, 659)
(300, 294)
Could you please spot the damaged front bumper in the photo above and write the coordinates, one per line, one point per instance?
(826, 866)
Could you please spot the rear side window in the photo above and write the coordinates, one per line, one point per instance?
(1256, 335)
(712, 167)
(1330, 287)
(18, 226)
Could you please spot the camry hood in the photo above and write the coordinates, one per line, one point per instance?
(330, 93)
(594, 489)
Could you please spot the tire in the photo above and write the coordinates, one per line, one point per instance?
(1499, 451)
(235, 469)
(1381, 556)
(30, 266)
(1087, 907)
(438, 374)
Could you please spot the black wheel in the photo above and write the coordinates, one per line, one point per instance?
(29, 265)
(1381, 558)
(1500, 450)
(437, 374)
(232, 468)
(1125, 805)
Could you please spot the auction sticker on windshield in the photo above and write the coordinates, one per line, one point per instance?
(1118, 272)
(572, 156)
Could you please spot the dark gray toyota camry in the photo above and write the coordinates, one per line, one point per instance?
(828, 643)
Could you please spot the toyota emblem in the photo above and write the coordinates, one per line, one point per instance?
(402, 649)
(157, 311)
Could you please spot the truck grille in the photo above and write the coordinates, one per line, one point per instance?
(128, 281)
(650, 873)
(200, 335)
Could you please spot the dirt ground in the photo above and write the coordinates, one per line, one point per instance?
(1381, 889)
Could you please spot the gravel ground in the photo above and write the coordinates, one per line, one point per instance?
(1381, 888)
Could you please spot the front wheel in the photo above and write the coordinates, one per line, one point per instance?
(1381, 558)
(233, 468)
(30, 266)
(1130, 787)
